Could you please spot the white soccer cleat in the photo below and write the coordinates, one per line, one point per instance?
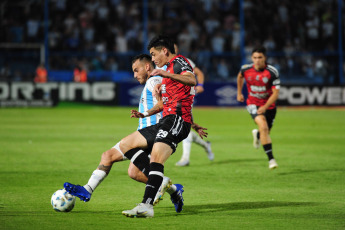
(142, 210)
(182, 162)
(272, 164)
(210, 154)
(162, 189)
(256, 140)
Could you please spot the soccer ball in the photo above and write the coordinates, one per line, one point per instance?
(62, 201)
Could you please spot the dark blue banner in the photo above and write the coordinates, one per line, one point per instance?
(129, 93)
(218, 94)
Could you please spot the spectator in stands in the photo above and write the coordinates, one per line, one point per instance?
(80, 73)
(218, 42)
(185, 40)
(222, 69)
(33, 26)
(17, 76)
(80, 25)
(41, 74)
(5, 73)
(112, 65)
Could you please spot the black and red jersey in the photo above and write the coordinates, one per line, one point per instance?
(260, 83)
(177, 97)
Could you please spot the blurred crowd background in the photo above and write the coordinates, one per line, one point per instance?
(302, 37)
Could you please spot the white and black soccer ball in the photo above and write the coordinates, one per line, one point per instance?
(62, 201)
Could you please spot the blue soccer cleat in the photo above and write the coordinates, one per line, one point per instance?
(177, 198)
(78, 191)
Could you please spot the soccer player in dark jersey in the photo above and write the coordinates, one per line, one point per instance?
(263, 85)
(175, 99)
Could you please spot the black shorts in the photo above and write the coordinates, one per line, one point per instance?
(171, 130)
(270, 114)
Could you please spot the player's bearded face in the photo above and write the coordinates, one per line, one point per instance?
(139, 72)
(158, 56)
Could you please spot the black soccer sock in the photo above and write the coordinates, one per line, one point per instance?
(140, 159)
(268, 151)
(258, 135)
(154, 182)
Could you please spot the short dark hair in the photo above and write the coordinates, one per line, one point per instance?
(259, 49)
(143, 57)
(161, 41)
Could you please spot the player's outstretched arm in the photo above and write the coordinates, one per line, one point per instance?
(155, 109)
(272, 99)
(199, 88)
(186, 78)
(240, 82)
(157, 92)
(200, 130)
(136, 114)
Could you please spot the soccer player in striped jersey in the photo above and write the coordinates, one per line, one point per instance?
(263, 85)
(140, 159)
(147, 100)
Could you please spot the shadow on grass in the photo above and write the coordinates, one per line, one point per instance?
(197, 209)
(187, 209)
(230, 161)
(300, 171)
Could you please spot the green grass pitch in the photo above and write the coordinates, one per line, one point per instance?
(40, 149)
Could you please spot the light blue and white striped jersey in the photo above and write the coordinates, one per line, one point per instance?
(147, 101)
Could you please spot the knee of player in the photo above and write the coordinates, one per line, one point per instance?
(136, 174)
(263, 129)
(106, 155)
(111, 155)
(132, 173)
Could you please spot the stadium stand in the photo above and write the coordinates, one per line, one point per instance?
(301, 37)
